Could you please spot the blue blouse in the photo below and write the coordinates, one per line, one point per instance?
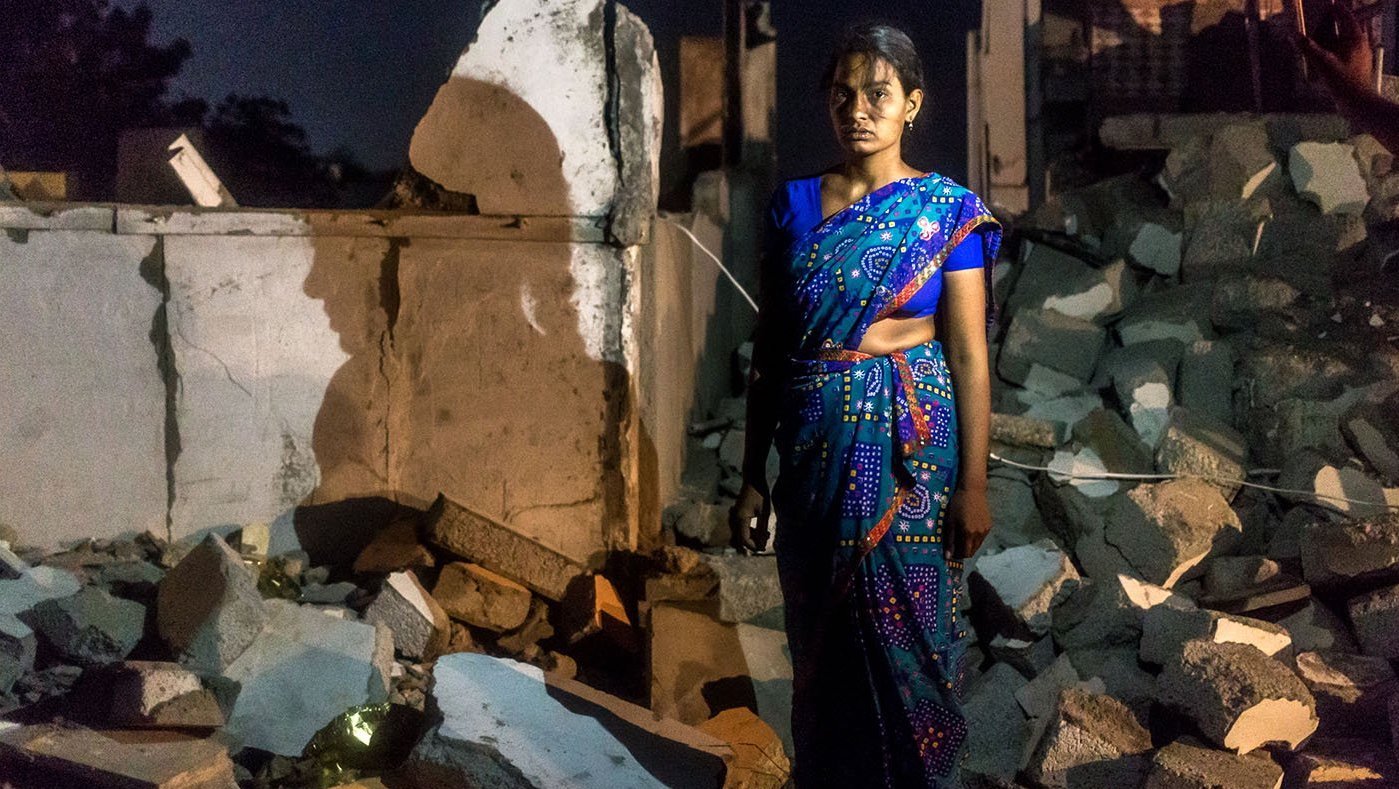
(796, 209)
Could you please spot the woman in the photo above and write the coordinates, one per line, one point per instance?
(882, 487)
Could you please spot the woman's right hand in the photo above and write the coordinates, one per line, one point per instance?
(750, 536)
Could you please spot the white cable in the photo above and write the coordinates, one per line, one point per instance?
(1122, 475)
(714, 258)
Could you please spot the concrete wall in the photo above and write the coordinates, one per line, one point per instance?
(218, 368)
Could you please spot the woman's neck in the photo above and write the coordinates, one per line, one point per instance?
(867, 173)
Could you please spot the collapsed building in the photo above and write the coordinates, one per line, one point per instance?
(345, 532)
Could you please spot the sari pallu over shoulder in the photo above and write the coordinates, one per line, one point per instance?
(869, 453)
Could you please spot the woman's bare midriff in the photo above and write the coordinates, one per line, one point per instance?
(896, 334)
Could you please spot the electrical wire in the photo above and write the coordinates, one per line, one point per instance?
(1210, 477)
(714, 258)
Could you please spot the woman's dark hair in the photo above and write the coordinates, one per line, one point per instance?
(885, 42)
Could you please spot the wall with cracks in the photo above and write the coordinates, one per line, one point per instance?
(184, 370)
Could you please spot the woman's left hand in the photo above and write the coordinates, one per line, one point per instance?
(968, 522)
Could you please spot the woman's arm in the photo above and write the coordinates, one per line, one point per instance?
(964, 318)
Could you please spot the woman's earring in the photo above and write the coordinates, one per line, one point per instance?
(908, 125)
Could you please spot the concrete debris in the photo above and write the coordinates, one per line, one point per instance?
(1167, 530)
(161, 695)
(597, 608)
(477, 596)
(1198, 445)
(496, 547)
(700, 522)
(1190, 764)
(1351, 691)
(499, 727)
(1344, 763)
(1345, 489)
(1205, 380)
(1021, 585)
(524, 640)
(11, 566)
(90, 628)
(1122, 677)
(1350, 554)
(1180, 313)
(307, 662)
(1241, 164)
(1080, 469)
(50, 755)
(1316, 627)
(395, 548)
(1115, 443)
(336, 594)
(759, 760)
(991, 705)
(1375, 619)
(208, 609)
(1038, 698)
(1238, 696)
(748, 588)
(1166, 629)
(18, 646)
(1373, 432)
(1065, 344)
(1028, 657)
(1055, 280)
(1328, 176)
(420, 627)
(1157, 248)
(1024, 431)
(1092, 740)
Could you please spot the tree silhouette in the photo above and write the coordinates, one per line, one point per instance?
(73, 75)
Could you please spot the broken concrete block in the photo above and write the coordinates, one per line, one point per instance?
(11, 566)
(1205, 379)
(524, 639)
(1180, 313)
(1023, 584)
(36, 585)
(1091, 740)
(160, 695)
(1375, 437)
(1220, 237)
(91, 628)
(334, 594)
(1165, 628)
(1185, 765)
(1167, 529)
(1114, 441)
(1198, 445)
(1241, 300)
(1067, 345)
(1327, 174)
(597, 608)
(1344, 555)
(1099, 613)
(496, 547)
(395, 548)
(420, 627)
(500, 727)
(991, 706)
(477, 596)
(1064, 411)
(307, 662)
(208, 609)
(1345, 489)
(1344, 762)
(1238, 696)
(1084, 470)
(1027, 657)
(1144, 389)
(700, 522)
(1122, 677)
(1315, 627)
(1352, 691)
(1277, 371)
(1023, 431)
(1157, 248)
(48, 755)
(1241, 163)
(1054, 280)
(748, 588)
(1038, 697)
(760, 762)
(700, 665)
(17, 650)
(1375, 619)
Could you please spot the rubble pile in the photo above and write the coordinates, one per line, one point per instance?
(446, 654)
(1216, 319)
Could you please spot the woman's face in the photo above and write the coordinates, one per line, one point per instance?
(868, 105)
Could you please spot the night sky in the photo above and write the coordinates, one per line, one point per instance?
(358, 75)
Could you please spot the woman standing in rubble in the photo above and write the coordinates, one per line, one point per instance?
(882, 488)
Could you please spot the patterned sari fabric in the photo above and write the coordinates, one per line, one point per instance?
(869, 452)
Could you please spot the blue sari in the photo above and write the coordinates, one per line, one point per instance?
(869, 453)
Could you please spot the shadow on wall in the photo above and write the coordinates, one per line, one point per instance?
(468, 372)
